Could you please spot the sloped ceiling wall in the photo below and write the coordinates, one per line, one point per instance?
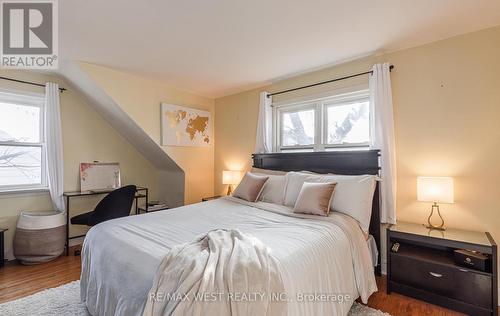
(131, 104)
(126, 126)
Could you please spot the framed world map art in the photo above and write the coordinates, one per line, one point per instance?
(183, 126)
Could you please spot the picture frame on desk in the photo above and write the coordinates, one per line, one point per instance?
(99, 176)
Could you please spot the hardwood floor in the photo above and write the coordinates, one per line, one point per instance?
(396, 304)
(17, 281)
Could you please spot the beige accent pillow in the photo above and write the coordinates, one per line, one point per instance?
(250, 187)
(315, 198)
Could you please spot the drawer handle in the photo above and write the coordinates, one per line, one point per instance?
(436, 275)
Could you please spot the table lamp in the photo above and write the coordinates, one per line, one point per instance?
(230, 177)
(435, 190)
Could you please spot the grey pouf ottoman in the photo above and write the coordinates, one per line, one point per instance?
(39, 237)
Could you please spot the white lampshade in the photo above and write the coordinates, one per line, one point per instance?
(231, 177)
(435, 189)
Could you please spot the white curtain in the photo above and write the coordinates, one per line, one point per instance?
(264, 138)
(54, 146)
(382, 137)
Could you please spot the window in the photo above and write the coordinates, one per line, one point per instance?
(22, 143)
(297, 127)
(341, 121)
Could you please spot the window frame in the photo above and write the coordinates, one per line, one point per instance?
(34, 100)
(321, 105)
(305, 106)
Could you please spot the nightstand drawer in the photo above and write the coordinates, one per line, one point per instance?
(453, 282)
(423, 275)
(473, 287)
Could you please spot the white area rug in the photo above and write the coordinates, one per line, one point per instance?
(65, 301)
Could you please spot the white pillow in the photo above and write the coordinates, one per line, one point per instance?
(294, 182)
(353, 194)
(354, 197)
(274, 189)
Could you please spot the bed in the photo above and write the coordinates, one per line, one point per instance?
(318, 255)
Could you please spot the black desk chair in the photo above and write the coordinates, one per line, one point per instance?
(114, 205)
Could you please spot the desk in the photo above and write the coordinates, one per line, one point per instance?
(142, 193)
(2, 249)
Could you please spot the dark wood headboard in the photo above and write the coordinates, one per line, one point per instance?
(339, 162)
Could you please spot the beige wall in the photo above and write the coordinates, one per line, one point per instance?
(86, 137)
(140, 98)
(446, 110)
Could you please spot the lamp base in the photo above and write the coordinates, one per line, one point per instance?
(436, 227)
(229, 189)
(430, 225)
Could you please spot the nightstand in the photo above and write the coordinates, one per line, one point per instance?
(215, 197)
(423, 267)
(2, 249)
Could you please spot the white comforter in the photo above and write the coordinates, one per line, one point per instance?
(223, 273)
(325, 261)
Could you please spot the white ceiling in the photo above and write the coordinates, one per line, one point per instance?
(219, 47)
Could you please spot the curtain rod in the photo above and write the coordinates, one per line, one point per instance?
(324, 82)
(28, 82)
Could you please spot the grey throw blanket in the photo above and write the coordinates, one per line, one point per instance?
(220, 273)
